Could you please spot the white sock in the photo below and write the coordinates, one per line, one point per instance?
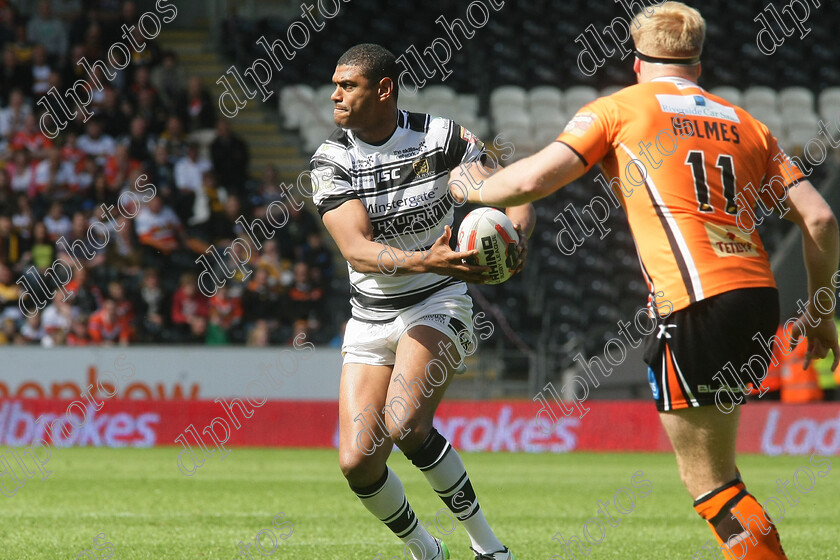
(444, 469)
(386, 499)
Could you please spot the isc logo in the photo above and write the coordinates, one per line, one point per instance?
(388, 175)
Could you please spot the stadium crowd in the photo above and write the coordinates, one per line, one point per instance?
(142, 286)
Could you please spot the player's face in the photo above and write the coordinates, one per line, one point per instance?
(355, 99)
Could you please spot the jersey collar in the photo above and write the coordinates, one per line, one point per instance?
(678, 81)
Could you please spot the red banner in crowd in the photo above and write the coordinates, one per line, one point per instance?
(768, 428)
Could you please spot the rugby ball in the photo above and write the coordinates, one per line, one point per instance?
(491, 232)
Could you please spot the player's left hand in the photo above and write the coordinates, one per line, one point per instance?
(522, 249)
(821, 339)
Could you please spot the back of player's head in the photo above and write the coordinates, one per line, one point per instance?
(375, 62)
(673, 30)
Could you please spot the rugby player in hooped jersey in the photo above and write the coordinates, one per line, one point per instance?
(681, 207)
(383, 176)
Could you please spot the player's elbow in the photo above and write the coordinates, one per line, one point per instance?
(361, 265)
(822, 222)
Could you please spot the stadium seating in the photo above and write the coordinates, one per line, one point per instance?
(829, 103)
(578, 96)
(729, 93)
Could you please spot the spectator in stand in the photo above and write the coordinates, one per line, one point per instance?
(189, 171)
(13, 115)
(189, 310)
(70, 151)
(22, 172)
(115, 113)
(40, 72)
(101, 191)
(294, 234)
(228, 308)
(72, 72)
(300, 328)
(12, 244)
(68, 11)
(162, 174)
(155, 116)
(175, 138)
(30, 138)
(106, 328)
(22, 46)
(83, 250)
(95, 142)
(195, 106)
(318, 257)
(78, 335)
(142, 83)
(269, 189)
(119, 167)
(169, 79)
(9, 290)
(124, 307)
(23, 219)
(43, 248)
(47, 30)
(279, 272)
(216, 334)
(58, 316)
(259, 334)
(149, 305)
(9, 332)
(7, 195)
(32, 330)
(87, 296)
(109, 15)
(261, 301)
(53, 81)
(224, 225)
(146, 58)
(305, 295)
(229, 154)
(159, 231)
(7, 25)
(140, 143)
(57, 222)
(54, 177)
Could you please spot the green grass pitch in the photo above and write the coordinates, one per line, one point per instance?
(149, 510)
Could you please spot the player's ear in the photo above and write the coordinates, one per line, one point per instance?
(637, 65)
(386, 88)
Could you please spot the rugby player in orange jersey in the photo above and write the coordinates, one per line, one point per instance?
(689, 169)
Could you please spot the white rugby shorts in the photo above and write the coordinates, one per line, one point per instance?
(448, 311)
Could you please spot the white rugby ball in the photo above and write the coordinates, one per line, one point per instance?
(491, 232)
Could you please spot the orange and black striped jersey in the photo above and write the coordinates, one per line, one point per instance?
(689, 168)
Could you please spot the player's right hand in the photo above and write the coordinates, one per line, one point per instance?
(441, 259)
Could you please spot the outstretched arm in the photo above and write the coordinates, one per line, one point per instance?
(524, 181)
(821, 250)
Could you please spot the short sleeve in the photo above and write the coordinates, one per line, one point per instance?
(462, 146)
(330, 178)
(588, 133)
(780, 174)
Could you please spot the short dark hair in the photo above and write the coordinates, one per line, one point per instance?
(375, 61)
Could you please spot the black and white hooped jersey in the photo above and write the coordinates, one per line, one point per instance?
(403, 184)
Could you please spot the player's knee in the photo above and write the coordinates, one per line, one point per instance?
(412, 435)
(356, 467)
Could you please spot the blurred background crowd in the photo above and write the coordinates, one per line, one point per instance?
(151, 120)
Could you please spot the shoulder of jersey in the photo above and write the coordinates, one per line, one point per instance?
(334, 148)
(417, 122)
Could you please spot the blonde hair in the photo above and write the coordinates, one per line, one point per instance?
(674, 30)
